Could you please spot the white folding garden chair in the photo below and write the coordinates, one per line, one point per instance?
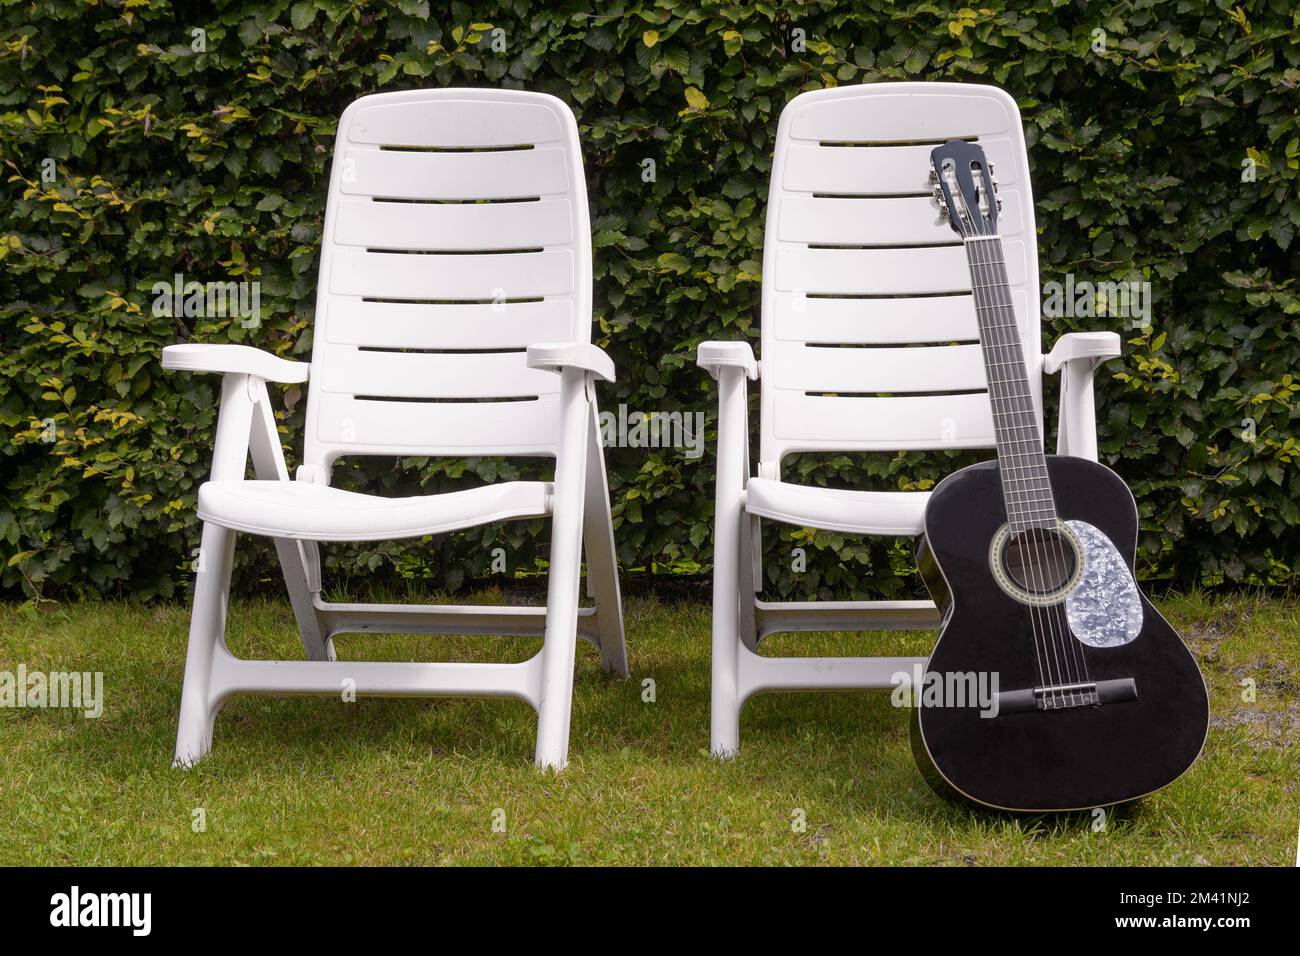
(457, 245)
(869, 344)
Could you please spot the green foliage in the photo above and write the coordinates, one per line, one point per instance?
(210, 159)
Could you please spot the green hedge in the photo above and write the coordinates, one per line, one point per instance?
(1145, 121)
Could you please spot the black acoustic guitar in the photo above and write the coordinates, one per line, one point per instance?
(1054, 685)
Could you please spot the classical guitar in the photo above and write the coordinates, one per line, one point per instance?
(1090, 697)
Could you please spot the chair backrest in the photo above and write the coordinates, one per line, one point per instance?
(869, 339)
(456, 234)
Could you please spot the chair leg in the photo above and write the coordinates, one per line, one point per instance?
(725, 698)
(729, 520)
(207, 633)
(748, 620)
(559, 647)
(316, 645)
(602, 558)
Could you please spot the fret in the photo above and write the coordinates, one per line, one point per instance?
(1036, 476)
(1004, 378)
(1024, 522)
(1032, 443)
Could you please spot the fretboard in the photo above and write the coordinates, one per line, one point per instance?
(1026, 488)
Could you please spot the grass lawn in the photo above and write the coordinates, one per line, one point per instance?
(314, 780)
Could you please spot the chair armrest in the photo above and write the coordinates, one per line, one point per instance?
(557, 356)
(1096, 346)
(244, 359)
(1076, 356)
(715, 356)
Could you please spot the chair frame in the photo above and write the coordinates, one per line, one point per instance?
(740, 619)
(579, 510)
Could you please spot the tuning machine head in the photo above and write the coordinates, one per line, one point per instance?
(937, 191)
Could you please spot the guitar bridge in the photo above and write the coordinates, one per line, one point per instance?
(1067, 696)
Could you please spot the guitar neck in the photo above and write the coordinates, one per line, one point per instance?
(1026, 488)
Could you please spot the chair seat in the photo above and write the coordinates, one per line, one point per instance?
(893, 513)
(300, 509)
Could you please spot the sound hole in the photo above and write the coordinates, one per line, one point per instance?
(1039, 560)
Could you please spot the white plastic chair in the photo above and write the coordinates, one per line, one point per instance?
(457, 245)
(855, 255)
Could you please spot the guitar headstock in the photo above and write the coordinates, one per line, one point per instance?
(965, 188)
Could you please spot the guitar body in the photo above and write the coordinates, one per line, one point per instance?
(1076, 757)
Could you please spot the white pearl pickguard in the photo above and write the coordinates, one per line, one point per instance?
(1104, 610)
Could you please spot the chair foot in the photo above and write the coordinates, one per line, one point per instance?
(721, 752)
(615, 662)
(193, 739)
(724, 730)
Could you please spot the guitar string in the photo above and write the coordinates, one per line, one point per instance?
(1077, 652)
(1039, 485)
(1001, 407)
(1013, 472)
(1056, 548)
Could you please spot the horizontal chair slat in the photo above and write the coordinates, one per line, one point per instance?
(928, 369)
(877, 170)
(894, 221)
(455, 176)
(885, 271)
(415, 428)
(885, 424)
(418, 325)
(453, 226)
(451, 124)
(906, 116)
(351, 371)
(501, 275)
(893, 321)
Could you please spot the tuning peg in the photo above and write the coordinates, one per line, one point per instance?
(934, 175)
